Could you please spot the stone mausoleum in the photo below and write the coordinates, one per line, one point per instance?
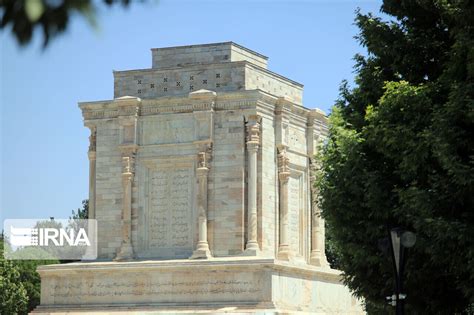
(201, 183)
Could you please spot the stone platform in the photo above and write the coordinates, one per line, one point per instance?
(219, 285)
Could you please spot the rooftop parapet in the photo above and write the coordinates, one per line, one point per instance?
(178, 56)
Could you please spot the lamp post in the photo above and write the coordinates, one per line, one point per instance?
(399, 240)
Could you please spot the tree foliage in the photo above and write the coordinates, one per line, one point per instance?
(30, 279)
(13, 295)
(20, 283)
(82, 213)
(51, 17)
(400, 154)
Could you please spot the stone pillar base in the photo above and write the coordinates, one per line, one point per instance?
(251, 252)
(318, 261)
(201, 254)
(125, 253)
(284, 253)
(286, 256)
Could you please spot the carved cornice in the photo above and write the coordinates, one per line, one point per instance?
(132, 106)
(100, 114)
(264, 103)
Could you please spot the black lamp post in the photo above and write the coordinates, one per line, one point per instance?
(399, 240)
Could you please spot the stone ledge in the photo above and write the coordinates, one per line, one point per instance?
(177, 264)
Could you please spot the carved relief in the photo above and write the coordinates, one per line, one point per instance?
(170, 210)
(159, 287)
(253, 129)
(295, 214)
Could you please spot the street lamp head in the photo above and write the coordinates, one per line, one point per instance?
(408, 239)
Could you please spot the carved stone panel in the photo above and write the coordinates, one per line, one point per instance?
(297, 140)
(164, 130)
(168, 212)
(295, 212)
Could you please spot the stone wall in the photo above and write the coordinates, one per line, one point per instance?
(205, 54)
(169, 137)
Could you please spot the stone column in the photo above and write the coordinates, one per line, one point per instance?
(92, 170)
(202, 249)
(91, 251)
(318, 252)
(284, 251)
(126, 249)
(129, 109)
(253, 143)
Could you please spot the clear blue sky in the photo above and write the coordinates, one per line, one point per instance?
(44, 166)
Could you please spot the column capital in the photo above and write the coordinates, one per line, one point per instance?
(128, 166)
(91, 126)
(283, 161)
(284, 177)
(204, 157)
(202, 171)
(92, 155)
(253, 129)
(92, 138)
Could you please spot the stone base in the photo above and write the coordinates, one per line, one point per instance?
(125, 253)
(217, 285)
(201, 254)
(319, 261)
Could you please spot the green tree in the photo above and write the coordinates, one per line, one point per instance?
(82, 213)
(51, 17)
(25, 283)
(30, 279)
(13, 295)
(400, 154)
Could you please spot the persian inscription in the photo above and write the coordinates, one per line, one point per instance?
(170, 209)
(157, 285)
(294, 211)
(117, 287)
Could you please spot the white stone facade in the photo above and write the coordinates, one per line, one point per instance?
(203, 163)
